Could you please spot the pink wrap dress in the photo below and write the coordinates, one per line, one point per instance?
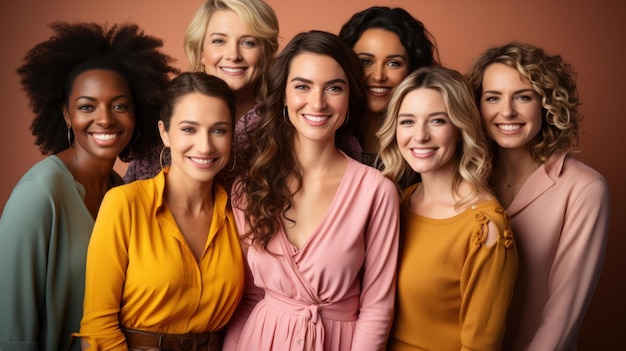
(337, 291)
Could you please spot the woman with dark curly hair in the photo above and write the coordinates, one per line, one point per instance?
(390, 44)
(96, 94)
(559, 206)
(320, 229)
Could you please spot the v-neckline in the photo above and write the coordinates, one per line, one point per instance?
(342, 183)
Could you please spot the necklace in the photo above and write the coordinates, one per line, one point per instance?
(511, 184)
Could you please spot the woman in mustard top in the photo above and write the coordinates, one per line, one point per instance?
(164, 265)
(457, 262)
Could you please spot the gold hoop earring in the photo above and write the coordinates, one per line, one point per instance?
(285, 113)
(161, 157)
(69, 136)
(232, 168)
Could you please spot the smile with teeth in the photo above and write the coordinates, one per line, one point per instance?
(203, 161)
(104, 137)
(379, 90)
(510, 127)
(316, 119)
(233, 69)
(422, 151)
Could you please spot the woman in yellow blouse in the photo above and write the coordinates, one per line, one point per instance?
(457, 262)
(164, 266)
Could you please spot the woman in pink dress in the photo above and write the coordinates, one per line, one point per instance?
(320, 229)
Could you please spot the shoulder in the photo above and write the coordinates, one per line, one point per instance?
(139, 190)
(491, 214)
(369, 177)
(49, 171)
(568, 168)
(47, 178)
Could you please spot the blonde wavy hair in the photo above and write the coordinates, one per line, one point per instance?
(553, 79)
(257, 14)
(473, 166)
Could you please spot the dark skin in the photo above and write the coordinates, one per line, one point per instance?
(100, 112)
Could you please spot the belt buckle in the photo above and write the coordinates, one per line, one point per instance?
(188, 343)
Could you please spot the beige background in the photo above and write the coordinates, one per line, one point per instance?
(591, 35)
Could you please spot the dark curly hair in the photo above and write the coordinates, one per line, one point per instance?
(50, 68)
(553, 79)
(418, 42)
(273, 158)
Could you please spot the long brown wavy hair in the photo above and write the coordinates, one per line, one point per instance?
(273, 161)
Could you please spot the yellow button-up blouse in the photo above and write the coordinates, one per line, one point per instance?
(142, 274)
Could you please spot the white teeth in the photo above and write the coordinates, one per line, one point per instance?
(422, 151)
(379, 90)
(203, 161)
(232, 70)
(510, 127)
(316, 119)
(104, 137)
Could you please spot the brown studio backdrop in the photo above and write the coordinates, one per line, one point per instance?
(590, 35)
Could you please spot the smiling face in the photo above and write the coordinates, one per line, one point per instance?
(385, 62)
(199, 137)
(510, 107)
(100, 113)
(426, 137)
(231, 52)
(317, 96)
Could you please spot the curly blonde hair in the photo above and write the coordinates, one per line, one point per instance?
(553, 79)
(473, 166)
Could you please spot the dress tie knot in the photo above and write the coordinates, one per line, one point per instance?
(312, 313)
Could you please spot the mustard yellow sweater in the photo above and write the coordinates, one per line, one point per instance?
(453, 290)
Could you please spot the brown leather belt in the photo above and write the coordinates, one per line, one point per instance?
(145, 340)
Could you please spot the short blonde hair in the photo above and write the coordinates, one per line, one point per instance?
(258, 15)
(473, 164)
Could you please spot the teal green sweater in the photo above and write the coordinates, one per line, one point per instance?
(44, 234)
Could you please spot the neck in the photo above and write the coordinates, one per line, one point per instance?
(195, 197)
(317, 157)
(93, 173)
(513, 167)
(437, 185)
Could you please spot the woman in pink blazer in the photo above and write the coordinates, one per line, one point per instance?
(558, 206)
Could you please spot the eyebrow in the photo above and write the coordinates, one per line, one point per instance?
(225, 35)
(91, 98)
(432, 114)
(514, 93)
(388, 56)
(332, 81)
(194, 123)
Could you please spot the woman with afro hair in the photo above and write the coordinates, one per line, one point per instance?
(96, 92)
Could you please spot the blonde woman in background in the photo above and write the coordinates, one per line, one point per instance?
(454, 235)
(234, 40)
